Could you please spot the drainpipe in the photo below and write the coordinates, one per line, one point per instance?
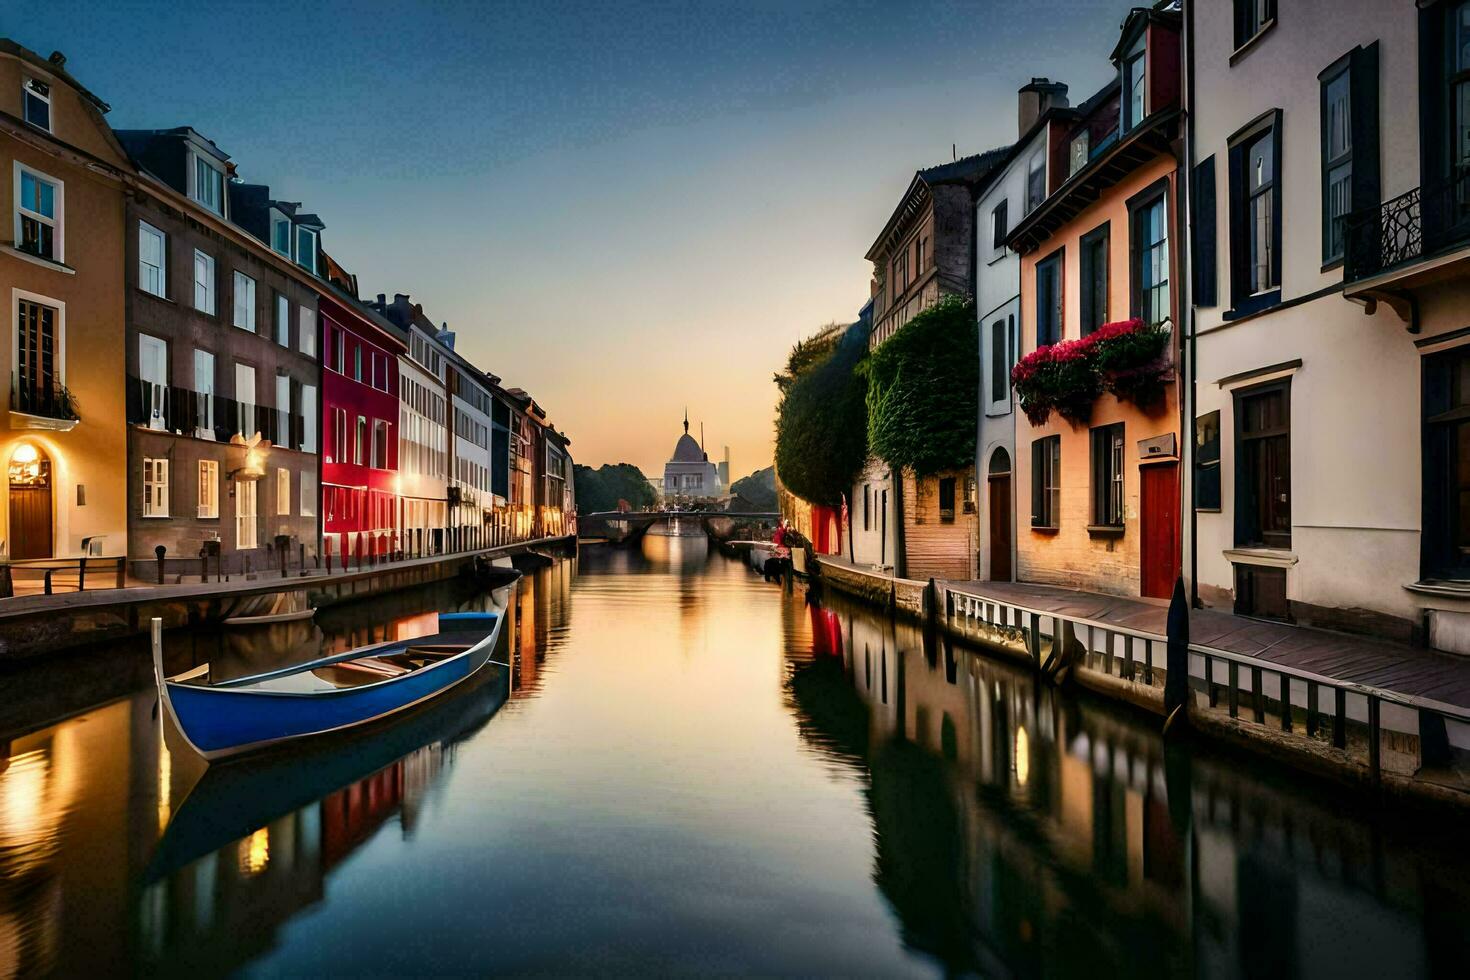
(1189, 409)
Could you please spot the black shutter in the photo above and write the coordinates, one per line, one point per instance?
(1202, 227)
(1278, 178)
(1099, 476)
(1038, 480)
(1363, 85)
(1000, 223)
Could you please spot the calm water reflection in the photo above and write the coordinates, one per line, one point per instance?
(687, 770)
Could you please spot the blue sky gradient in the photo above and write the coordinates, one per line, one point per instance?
(623, 208)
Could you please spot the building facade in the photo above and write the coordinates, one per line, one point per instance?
(1329, 468)
(62, 438)
(927, 251)
(1001, 204)
(471, 501)
(688, 474)
(223, 381)
(1096, 255)
(360, 418)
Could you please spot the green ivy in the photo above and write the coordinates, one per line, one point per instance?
(923, 390)
(821, 422)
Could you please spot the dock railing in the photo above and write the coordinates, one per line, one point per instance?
(1387, 733)
(62, 574)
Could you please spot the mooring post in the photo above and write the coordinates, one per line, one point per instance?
(158, 553)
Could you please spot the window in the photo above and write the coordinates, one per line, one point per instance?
(867, 507)
(1079, 152)
(1049, 299)
(283, 320)
(1093, 271)
(1255, 219)
(284, 436)
(306, 332)
(357, 362)
(209, 185)
(155, 487)
(39, 335)
(245, 423)
(1263, 466)
(1000, 361)
(1252, 17)
(204, 393)
(306, 248)
(1349, 127)
(151, 258)
(244, 302)
(246, 514)
(38, 212)
(380, 444)
(946, 500)
(360, 447)
(308, 418)
(36, 95)
(921, 254)
(339, 344)
(1446, 540)
(153, 372)
(203, 281)
(308, 493)
(208, 501)
(281, 236)
(998, 225)
(1150, 279)
(1036, 181)
(1134, 85)
(1046, 488)
(339, 435)
(1207, 462)
(1107, 475)
(283, 492)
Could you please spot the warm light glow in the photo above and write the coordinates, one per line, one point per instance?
(1023, 755)
(255, 852)
(25, 453)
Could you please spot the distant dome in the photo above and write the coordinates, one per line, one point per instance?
(687, 450)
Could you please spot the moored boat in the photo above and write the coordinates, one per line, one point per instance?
(246, 714)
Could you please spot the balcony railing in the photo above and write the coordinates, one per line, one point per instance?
(1411, 227)
(51, 401)
(187, 412)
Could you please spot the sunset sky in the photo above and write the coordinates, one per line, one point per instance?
(623, 208)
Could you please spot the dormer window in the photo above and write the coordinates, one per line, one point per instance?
(1134, 85)
(1079, 151)
(209, 185)
(306, 248)
(281, 235)
(37, 97)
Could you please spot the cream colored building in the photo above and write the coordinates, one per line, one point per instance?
(1331, 452)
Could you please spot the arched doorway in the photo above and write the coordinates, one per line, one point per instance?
(30, 502)
(999, 480)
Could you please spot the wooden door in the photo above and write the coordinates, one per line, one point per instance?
(30, 522)
(1159, 554)
(1000, 527)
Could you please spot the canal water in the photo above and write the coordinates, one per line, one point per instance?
(684, 770)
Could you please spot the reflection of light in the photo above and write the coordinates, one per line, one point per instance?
(165, 777)
(255, 852)
(24, 453)
(1023, 755)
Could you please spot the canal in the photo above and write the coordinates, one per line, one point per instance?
(685, 769)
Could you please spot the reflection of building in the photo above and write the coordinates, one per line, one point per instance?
(689, 474)
(61, 439)
(221, 359)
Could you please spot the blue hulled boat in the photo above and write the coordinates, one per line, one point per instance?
(246, 714)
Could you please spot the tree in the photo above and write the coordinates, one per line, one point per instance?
(600, 489)
(821, 422)
(923, 390)
(759, 488)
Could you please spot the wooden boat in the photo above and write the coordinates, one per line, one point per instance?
(275, 607)
(247, 714)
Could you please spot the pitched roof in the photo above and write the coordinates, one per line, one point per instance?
(53, 67)
(973, 170)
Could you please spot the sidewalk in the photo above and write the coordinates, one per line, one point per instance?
(1413, 671)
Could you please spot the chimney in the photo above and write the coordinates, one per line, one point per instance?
(1035, 97)
(58, 59)
(382, 301)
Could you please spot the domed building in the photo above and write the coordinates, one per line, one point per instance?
(689, 474)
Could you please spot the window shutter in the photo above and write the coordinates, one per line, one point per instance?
(1363, 89)
(1276, 183)
(1038, 479)
(1202, 225)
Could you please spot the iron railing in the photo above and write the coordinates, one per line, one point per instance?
(187, 412)
(51, 401)
(1411, 227)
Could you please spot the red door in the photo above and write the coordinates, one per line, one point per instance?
(1000, 527)
(1159, 555)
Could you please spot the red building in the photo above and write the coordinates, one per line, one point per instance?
(360, 351)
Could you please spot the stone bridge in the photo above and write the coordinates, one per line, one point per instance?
(622, 526)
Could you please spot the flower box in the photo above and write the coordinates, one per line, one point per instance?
(1128, 359)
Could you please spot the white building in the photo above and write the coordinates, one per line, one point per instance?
(1330, 250)
(689, 474)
